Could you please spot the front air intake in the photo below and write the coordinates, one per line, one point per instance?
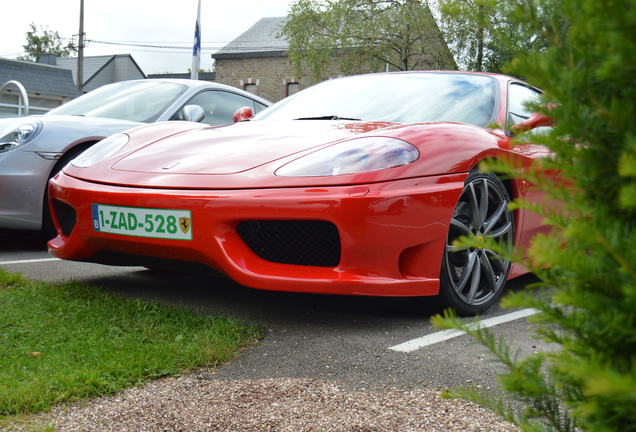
(65, 216)
(299, 242)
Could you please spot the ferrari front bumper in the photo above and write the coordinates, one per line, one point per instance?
(391, 234)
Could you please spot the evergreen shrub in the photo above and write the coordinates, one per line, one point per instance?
(587, 265)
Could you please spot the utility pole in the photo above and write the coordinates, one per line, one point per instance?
(80, 50)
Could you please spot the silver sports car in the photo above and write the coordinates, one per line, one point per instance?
(33, 149)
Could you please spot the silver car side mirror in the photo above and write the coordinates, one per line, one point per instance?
(193, 113)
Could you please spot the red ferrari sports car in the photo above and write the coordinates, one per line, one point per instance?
(357, 185)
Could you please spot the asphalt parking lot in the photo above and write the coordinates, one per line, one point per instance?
(352, 340)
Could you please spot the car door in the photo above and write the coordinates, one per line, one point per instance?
(519, 96)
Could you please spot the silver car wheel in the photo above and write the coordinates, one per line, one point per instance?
(477, 275)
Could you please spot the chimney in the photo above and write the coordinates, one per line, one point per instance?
(48, 58)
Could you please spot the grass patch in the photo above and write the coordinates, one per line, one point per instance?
(64, 342)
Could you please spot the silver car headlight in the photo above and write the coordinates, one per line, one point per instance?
(352, 157)
(19, 135)
(102, 150)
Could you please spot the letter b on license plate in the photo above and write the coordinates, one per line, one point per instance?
(143, 222)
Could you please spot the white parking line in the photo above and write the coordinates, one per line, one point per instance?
(433, 338)
(28, 261)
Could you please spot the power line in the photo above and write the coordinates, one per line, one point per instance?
(163, 51)
(187, 48)
(139, 45)
(187, 44)
(171, 42)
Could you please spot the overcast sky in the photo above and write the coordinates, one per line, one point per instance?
(163, 22)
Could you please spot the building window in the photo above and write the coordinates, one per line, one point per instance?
(292, 87)
(250, 87)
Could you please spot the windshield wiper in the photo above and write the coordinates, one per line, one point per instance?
(328, 117)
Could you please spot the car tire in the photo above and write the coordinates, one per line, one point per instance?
(473, 279)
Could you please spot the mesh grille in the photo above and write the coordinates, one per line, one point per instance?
(65, 216)
(300, 242)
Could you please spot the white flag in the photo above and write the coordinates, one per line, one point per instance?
(196, 49)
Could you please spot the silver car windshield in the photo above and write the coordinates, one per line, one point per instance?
(142, 101)
(400, 97)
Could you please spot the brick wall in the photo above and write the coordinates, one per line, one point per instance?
(268, 77)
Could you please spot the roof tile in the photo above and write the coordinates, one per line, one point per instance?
(38, 78)
(262, 37)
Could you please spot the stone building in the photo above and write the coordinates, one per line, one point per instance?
(256, 61)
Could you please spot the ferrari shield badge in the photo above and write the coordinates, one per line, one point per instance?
(184, 224)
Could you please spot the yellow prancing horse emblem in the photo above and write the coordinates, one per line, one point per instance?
(185, 224)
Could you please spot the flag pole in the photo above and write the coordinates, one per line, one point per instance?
(196, 48)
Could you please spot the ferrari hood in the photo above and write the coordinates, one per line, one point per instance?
(182, 155)
(237, 148)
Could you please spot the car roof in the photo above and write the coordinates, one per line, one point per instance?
(199, 84)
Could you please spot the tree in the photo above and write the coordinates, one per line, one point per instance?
(587, 266)
(364, 35)
(484, 34)
(44, 41)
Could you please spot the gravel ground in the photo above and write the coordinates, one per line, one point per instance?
(200, 402)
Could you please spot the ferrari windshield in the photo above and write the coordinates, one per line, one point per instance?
(399, 97)
(142, 101)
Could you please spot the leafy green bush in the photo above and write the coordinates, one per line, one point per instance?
(588, 265)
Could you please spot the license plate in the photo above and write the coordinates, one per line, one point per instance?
(143, 222)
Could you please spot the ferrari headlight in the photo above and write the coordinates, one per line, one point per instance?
(352, 157)
(19, 135)
(101, 151)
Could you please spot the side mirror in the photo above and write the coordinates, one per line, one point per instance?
(534, 121)
(242, 114)
(193, 113)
